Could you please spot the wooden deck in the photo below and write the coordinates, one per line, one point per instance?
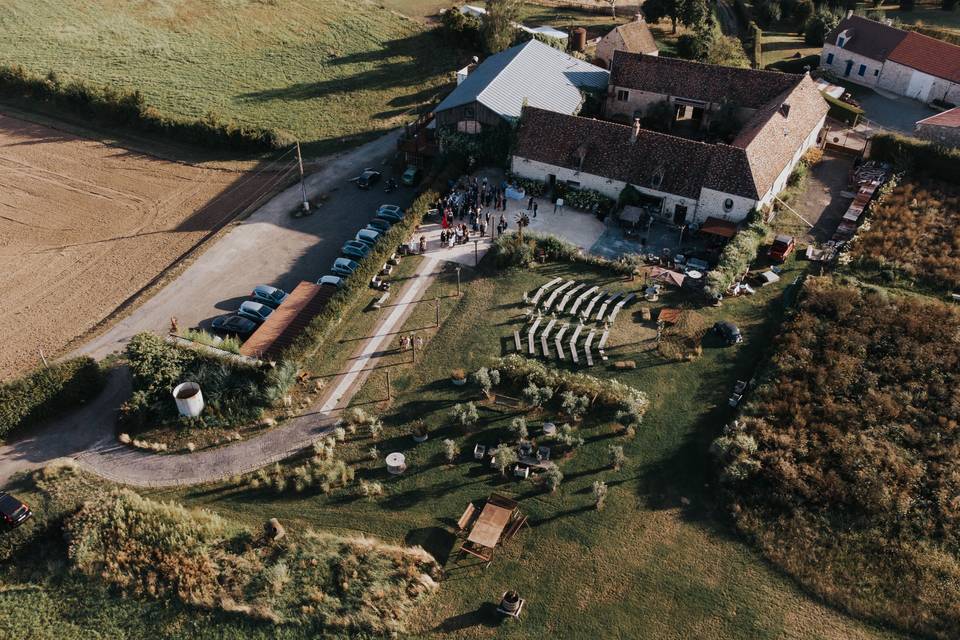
(287, 322)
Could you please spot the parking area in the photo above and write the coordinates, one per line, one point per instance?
(271, 247)
(889, 111)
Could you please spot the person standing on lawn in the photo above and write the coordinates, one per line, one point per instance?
(535, 205)
(530, 204)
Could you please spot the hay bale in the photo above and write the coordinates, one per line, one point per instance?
(625, 364)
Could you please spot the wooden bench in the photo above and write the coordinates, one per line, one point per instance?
(381, 300)
(545, 335)
(559, 342)
(514, 527)
(467, 518)
(568, 295)
(531, 332)
(593, 303)
(583, 296)
(516, 341)
(586, 347)
(506, 401)
(573, 344)
(556, 292)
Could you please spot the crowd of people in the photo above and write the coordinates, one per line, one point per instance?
(470, 201)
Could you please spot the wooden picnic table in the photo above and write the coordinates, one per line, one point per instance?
(490, 525)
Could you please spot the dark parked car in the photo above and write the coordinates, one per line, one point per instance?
(390, 212)
(729, 332)
(270, 296)
(410, 176)
(355, 249)
(368, 178)
(368, 236)
(380, 224)
(13, 511)
(254, 311)
(234, 325)
(344, 267)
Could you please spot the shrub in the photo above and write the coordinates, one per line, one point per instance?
(818, 26)
(460, 29)
(796, 65)
(737, 256)
(843, 111)
(574, 406)
(617, 457)
(599, 494)
(450, 450)
(518, 426)
(230, 343)
(48, 391)
(919, 156)
(125, 108)
(553, 477)
(487, 379)
(532, 188)
(537, 396)
(464, 414)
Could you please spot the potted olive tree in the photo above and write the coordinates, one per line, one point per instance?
(458, 377)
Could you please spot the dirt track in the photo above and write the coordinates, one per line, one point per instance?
(84, 225)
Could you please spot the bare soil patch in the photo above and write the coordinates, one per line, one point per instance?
(84, 226)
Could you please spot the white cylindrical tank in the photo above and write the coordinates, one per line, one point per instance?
(189, 399)
(396, 463)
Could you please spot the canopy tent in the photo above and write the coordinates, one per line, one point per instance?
(632, 214)
(667, 276)
(717, 227)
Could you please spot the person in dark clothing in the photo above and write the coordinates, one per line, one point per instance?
(530, 204)
(535, 209)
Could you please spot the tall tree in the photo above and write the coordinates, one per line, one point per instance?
(656, 10)
(613, 7)
(499, 24)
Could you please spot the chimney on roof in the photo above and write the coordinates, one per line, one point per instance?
(636, 130)
(785, 110)
(639, 16)
(849, 13)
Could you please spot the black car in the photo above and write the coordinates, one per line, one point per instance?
(729, 332)
(13, 511)
(368, 178)
(234, 325)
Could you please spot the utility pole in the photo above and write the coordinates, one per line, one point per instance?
(436, 300)
(303, 186)
(389, 392)
(458, 281)
(476, 253)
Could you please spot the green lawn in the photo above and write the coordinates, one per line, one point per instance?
(780, 45)
(658, 562)
(332, 73)
(926, 13)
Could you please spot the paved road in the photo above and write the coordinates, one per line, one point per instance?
(270, 247)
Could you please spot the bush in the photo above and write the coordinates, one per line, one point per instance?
(532, 188)
(320, 328)
(537, 396)
(48, 391)
(818, 26)
(737, 256)
(230, 343)
(504, 456)
(450, 450)
(464, 414)
(553, 477)
(796, 65)
(122, 107)
(460, 29)
(518, 426)
(843, 111)
(918, 156)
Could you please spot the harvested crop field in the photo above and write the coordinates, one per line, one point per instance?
(84, 226)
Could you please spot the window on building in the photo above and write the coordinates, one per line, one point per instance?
(728, 204)
(876, 72)
(863, 69)
(829, 58)
(623, 95)
(573, 184)
(469, 113)
(841, 41)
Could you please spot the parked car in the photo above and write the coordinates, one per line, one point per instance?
(368, 178)
(344, 267)
(270, 296)
(14, 512)
(380, 224)
(254, 311)
(410, 176)
(368, 237)
(355, 249)
(783, 246)
(390, 212)
(729, 332)
(331, 281)
(233, 325)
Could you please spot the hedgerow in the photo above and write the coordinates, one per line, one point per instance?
(123, 107)
(737, 256)
(509, 251)
(919, 156)
(47, 391)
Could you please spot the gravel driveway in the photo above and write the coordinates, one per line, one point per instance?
(270, 247)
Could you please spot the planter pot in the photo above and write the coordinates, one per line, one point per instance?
(418, 438)
(458, 382)
(189, 399)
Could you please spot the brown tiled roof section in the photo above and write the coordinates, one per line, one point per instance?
(949, 118)
(637, 37)
(287, 321)
(772, 136)
(655, 160)
(748, 88)
(869, 38)
(929, 55)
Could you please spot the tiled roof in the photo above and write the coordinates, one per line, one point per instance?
(929, 55)
(749, 88)
(637, 37)
(773, 134)
(288, 321)
(533, 72)
(949, 118)
(655, 160)
(865, 37)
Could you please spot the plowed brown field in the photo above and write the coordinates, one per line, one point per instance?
(84, 226)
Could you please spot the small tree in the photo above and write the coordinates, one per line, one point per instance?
(505, 457)
(499, 22)
(568, 436)
(465, 414)
(450, 450)
(376, 428)
(537, 396)
(659, 117)
(553, 477)
(487, 379)
(574, 406)
(767, 12)
(817, 27)
(374, 454)
(599, 494)
(802, 11)
(519, 427)
(339, 434)
(617, 457)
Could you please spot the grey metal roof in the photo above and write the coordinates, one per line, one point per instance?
(533, 71)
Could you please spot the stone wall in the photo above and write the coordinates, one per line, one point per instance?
(947, 136)
(905, 81)
(839, 65)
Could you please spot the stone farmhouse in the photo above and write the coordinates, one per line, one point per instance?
(683, 180)
(878, 55)
(633, 37)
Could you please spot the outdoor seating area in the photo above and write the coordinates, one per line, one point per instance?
(483, 530)
(586, 305)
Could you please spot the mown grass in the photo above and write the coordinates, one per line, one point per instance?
(657, 562)
(332, 73)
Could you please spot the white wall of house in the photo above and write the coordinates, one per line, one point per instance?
(872, 69)
(909, 82)
(714, 204)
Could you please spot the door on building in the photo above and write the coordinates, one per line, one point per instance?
(846, 72)
(551, 183)
(919, 87)
(679, 214)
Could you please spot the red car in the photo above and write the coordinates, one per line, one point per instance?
(782, 247)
